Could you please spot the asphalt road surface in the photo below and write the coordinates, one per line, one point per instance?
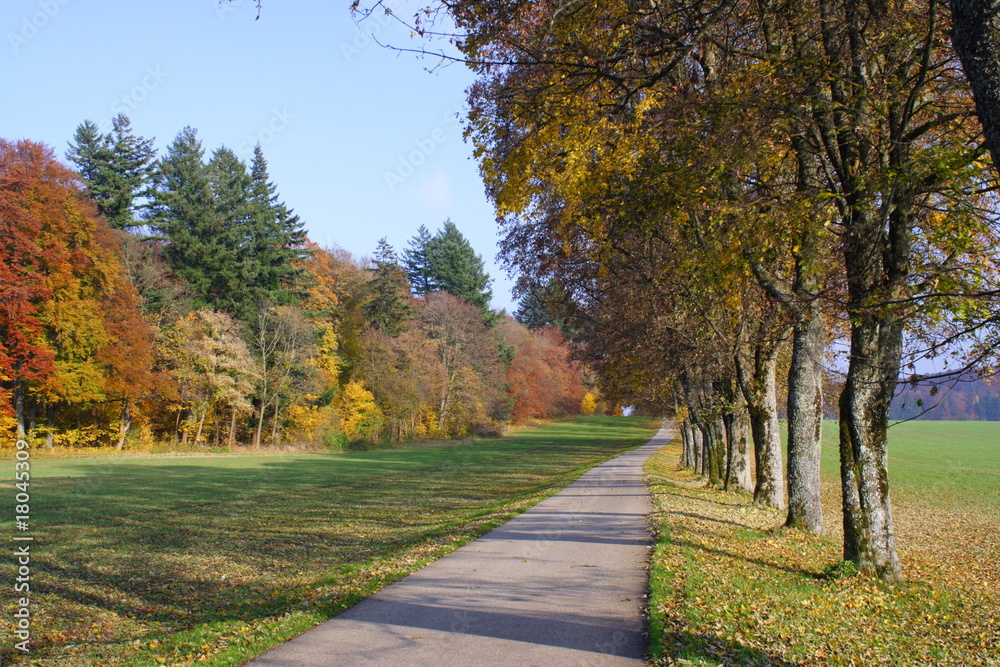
(564, 583)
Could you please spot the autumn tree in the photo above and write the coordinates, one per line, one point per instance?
(469, 387)
(29, 181)
(543, 381)
(214, 370)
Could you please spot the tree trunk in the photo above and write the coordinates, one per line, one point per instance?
(869, 540)
(805, 421)
(125, 425)
(22, 433)
(762, 403)
(687, 458)
(232, 429)
(274, 426)
(697, 449)
(50, 421)
(716, 451)
(737, 423)
(260, 423)
(975, 34)
(201, 424)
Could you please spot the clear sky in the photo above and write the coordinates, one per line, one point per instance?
(361, 141)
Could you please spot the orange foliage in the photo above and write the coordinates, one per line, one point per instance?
(543, 381)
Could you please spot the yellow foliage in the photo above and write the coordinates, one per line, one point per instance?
(327, 358)
(359, 415)
(588, 405)
(308, 422)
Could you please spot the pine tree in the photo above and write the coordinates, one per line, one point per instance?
(416, 263)
(117, 168)
(456, 268)
(389, 308)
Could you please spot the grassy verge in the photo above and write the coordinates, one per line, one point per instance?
(729, 586)
(214, 559)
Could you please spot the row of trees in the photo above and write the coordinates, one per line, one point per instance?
(179, 294)
(705, 190)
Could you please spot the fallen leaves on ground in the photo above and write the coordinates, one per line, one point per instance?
(731, 586)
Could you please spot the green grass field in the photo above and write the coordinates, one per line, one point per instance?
(731, 587)
(951, 463)
(213, 559)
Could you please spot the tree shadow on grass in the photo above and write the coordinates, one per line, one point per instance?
(685, 645)
(755, 561)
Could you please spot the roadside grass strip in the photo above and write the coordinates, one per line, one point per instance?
(731, 586)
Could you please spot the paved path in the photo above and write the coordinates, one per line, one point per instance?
(561, 584)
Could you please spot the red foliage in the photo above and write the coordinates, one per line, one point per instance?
(33, 185)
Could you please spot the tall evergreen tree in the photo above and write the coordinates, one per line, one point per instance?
(117, 168)
(276, 242)
(183, 210)
(456, 268)
(416, 263)
(389, 308)
(231, 190)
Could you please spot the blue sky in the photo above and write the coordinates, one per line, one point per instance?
(361, 141)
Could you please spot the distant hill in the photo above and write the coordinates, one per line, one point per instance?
(968, 399)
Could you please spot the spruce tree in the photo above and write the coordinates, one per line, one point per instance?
(276, 242)
(231, 190)
(183, 210)
(389, 307)
(456, 268)
(416, 264)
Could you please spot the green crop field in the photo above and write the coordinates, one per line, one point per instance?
(213, 559)
(730, 586)
(952, 464)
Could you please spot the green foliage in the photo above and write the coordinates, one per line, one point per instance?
(117, 168)
(389, 307)
(417, 264)
(228, 236)
(454, 267)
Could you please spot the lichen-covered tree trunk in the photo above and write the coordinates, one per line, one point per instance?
(737, 423)
(688, 439)
(713, 439)
(762, 403)
(805, 421)
(869, 540)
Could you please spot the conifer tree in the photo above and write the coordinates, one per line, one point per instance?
(416, 264)
(117, 168)
(389, 308)
(276, 241)
(231, 189)
(183, 210)
(455, 267)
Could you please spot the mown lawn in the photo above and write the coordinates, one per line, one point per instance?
(213, 559)
(731, 587)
